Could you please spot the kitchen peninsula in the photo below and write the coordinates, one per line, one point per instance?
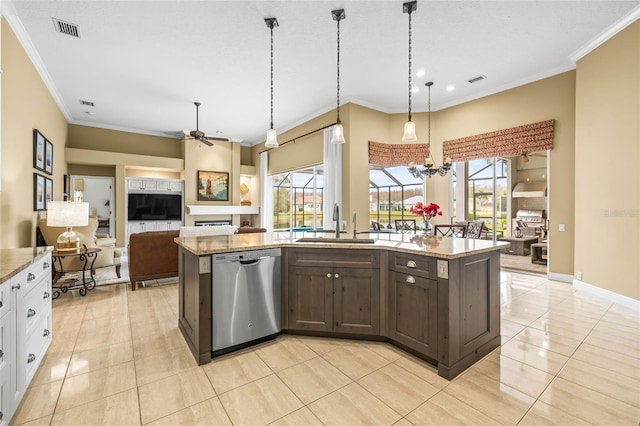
(435, 297)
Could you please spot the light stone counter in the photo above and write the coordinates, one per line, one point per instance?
(429, 245)
(13, 261)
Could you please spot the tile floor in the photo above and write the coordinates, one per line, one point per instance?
(117, 358)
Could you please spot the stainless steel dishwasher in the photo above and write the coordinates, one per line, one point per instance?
(245, 298)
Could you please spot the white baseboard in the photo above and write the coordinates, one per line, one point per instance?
(607, 294)
(560, 277)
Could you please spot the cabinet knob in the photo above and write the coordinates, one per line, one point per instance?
(410, 280)
(31, 313)
(1, 353)
(1, 304)
(15, 287)
(336, 276)
(30, 277)
(411, 264)
(46, 295)
(328, 274)
(31, 358)
(45, 265)
(45, 333)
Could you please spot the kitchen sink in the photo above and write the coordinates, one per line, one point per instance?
(336, 240)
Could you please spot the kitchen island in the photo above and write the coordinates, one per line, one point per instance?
(436, 297)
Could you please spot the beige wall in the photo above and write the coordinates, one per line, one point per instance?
(607, 155)
(26, 105)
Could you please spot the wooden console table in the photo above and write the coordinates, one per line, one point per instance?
(520, 246)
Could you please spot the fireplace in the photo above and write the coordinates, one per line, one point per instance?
(212, 222)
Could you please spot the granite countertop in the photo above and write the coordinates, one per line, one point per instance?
(12, 261)
(429, 245)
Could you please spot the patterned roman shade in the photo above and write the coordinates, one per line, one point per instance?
(502, 143)
(383, 154)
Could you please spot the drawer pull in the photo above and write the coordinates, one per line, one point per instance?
(45, 333)
(410, 280)
(45, 265)
(31, 313)
(328, 274)
(46, 295)
(15, 287)
(411, 264)
(1, 304)
(31, 358)
(30, 277)
(1, 353)
(337, 276)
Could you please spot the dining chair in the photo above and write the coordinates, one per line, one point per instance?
(474, 229)
(405, 225)
(455, 231)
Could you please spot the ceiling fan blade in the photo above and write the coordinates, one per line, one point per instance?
(206, 141)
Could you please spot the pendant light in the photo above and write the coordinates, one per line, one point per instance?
(409, 127)
(272, 135)
(338, 131)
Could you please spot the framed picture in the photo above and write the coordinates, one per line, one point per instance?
(48, 191)
(39, 143)
(213, 186)
(38, 192)
(48, 157)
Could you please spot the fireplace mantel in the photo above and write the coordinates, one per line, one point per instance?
(201, 210)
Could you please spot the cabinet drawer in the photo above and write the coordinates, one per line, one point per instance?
(39, 270)
(330, 257)
(422, 266)
(36, 345)
(5, 300)
(35, 304)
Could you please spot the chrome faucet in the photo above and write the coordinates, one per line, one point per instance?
(354, 225)
(336, 218)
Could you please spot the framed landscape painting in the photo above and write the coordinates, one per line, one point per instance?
(38, 192)
(39, 143)
(48, 157)
(213, 186)
(48, 191)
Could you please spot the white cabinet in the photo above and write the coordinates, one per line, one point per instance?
(25, 331)
(154, 185)
(142, 184)
(168, 226)
(170, 185)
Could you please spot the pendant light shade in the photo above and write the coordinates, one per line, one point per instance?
(409, 127)
(338, 131)
(272, 135)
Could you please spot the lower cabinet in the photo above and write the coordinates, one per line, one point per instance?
(413, 312)
(345, 300)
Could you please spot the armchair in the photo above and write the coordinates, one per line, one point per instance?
(108, 255)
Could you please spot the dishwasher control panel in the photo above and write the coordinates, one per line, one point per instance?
(245, 255)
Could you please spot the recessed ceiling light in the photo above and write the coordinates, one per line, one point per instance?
(415, 89)
(89, 112)
(451, 88)
(420, 73)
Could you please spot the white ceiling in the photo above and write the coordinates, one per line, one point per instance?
(143, 63)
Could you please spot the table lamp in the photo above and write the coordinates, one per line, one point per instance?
(67, 214)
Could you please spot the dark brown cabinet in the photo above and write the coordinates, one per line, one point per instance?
(413, 312)
(323, 297)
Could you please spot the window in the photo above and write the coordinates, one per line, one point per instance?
(297, 200)
(392, 192)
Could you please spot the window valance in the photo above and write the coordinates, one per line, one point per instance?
(502, 143)
(383, 154)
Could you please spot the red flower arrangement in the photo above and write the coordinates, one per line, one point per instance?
(427, 212)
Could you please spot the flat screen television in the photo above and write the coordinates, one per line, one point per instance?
(154, 207)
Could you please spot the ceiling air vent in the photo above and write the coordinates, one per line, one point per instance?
(476, 79)
(66, 28)
(87, 103)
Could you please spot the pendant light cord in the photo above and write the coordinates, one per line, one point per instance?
(429, 119)
(338, 75)
(409, 65)
(271, 27)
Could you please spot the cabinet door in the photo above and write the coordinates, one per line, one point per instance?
(356, 306)
(7, 344)
(310, 298)
(413, 312)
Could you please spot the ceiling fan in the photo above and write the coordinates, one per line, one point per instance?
(199, 135)
(525, 156)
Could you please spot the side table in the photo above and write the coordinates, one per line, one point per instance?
(64, 281)
(520, 246)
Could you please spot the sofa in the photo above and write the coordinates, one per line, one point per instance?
(108, 255)
(154, 254)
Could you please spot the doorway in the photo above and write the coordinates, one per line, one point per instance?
(98, 192)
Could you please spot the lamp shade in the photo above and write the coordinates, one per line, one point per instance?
(338, 134)
(78, 184)
(409, 132)
(272, 139)
(65, 213)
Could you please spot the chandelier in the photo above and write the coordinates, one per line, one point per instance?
(429, 168)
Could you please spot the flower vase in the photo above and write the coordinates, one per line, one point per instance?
(427, 225)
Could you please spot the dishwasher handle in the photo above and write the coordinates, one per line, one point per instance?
(249, 262)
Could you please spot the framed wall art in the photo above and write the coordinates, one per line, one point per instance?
(38, 192)
(213, 186)
(48, 192)
(48, 157)
(39, 143)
